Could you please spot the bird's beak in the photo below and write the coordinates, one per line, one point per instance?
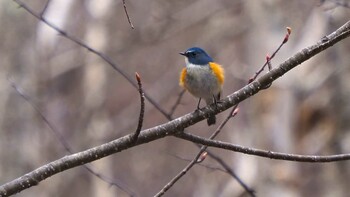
(182, 53)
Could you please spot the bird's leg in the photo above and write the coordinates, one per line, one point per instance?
(199, 102)
(216, 101)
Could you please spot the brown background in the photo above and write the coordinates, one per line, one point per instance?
(304, 112)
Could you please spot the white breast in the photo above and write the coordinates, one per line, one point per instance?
(201, 81)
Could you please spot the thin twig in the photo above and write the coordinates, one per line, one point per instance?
(218, 159)
(177, 102)
(226, 169)
(269, 58)
(42, 116)
(94, 51)
(142, 108)
(60, 138)
(263, 153)
(198, 158)
(210, 167)
(127, 15)
(111, 181)
(45, 8)
(249, 190)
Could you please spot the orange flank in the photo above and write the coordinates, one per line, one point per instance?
(218, 71)
(183, 77)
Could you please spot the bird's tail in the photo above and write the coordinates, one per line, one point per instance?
(211, 120)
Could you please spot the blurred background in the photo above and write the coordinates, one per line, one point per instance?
(89, 103)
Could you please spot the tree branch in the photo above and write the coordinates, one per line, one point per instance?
(112, 181)
(262, 153)
(177, 102)
(228, 169)
(178, 125)
(127, 15)
(45, 8)
(94, 51)
(269, 58)
(198, 158)
(142, 107)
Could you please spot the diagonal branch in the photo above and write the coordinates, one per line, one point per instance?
(94, 51)
(197, 158)
(45, 8)
(177, 102)
(228, 169)
(127, 15)
(178, 125)
(116, 182)
(263, 153)
(269, 58)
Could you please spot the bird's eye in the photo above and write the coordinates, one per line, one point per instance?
(193, 54)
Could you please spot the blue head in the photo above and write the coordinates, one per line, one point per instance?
(197, 56)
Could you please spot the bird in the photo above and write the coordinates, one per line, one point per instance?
(202, 77)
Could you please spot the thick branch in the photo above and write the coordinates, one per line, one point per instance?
(177, 125)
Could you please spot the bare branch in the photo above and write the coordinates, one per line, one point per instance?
(198, 158)
(114, 182)
(177, 102)
(269, 58)
(42, 116)
(178, 125)
(94, 51)
(142, 110)
(210, 167)
(127, 15)
(263, 153)
(228, 169)
(45, 8)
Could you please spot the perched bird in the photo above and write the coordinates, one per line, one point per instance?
(202, 77)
